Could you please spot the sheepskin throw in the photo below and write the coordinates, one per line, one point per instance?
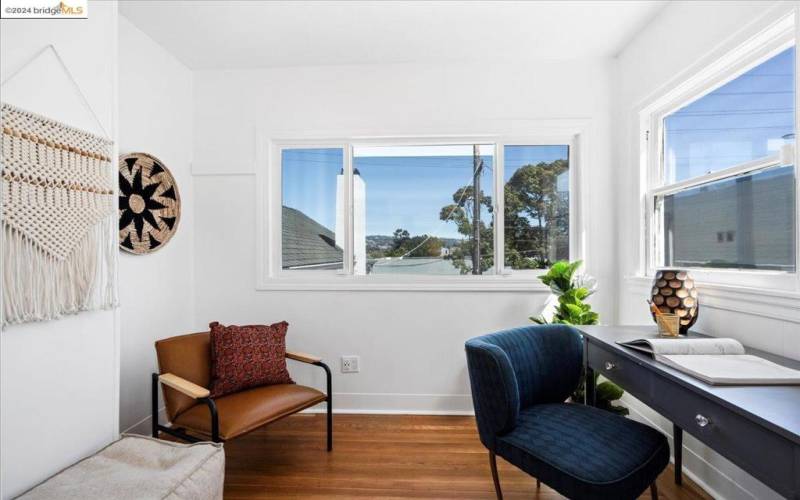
(59, 221)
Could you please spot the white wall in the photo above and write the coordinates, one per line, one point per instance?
(156, 290)
(410, 343)
(59, 379)
(684, 37)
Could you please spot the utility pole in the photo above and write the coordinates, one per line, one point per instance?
(477, 165)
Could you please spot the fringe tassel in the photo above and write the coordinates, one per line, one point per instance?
(39, 287)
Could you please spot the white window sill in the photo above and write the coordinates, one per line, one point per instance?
(769, 303)
(401, 284)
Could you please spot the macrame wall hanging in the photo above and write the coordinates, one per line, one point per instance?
(58, 216)
(149, 203)
(58, 219)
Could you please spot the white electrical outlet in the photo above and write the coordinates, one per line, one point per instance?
(350, 364)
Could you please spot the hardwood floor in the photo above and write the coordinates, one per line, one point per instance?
(382, 456)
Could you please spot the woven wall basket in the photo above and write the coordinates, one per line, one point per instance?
(149, 203)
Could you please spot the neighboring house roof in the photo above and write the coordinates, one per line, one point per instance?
(306, 242)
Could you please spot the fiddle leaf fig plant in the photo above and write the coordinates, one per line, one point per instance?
(572, 289)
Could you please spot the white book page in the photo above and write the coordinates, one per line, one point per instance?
(696, 346)
(743, 369)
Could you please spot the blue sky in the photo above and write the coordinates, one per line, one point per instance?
(406, 187)
(743, 120)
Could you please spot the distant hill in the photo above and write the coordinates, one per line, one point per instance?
(382, 241)
(379, 241)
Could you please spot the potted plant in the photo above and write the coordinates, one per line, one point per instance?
(572, 290)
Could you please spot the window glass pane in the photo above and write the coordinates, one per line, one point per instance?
(748, 118)
(313, 208)
(744, 222)
(536, 205)
(414, 209)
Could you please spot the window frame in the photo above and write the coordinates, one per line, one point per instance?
(271, 276)
(754, 51)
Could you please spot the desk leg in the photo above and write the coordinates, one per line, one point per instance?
(677, 438)
(589, 387)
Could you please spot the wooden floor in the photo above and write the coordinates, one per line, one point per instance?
(382, 456)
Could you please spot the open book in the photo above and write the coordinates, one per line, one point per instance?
(716, 361)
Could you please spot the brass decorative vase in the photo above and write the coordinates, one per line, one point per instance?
(674, 292)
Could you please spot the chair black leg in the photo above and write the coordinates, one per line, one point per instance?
(212, 408)
(495, 478)
(329, 402)
(154, 402)
(330, 424)
(653, 491)
(677, 436)
(538, 483)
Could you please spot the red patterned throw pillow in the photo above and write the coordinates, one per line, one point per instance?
(247, 356)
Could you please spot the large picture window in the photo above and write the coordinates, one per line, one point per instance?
(400, 209)
(722, 190)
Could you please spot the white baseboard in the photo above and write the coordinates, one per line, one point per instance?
(702, 464)
(144, 426)
(402, 404)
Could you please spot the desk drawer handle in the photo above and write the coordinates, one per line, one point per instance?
(610, 365)
(701, 420)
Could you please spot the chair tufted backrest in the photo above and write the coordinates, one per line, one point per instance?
(520, 367)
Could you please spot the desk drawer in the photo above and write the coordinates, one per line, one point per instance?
(620, 370)
(747, 444)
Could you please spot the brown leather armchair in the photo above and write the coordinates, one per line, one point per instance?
(184, 363)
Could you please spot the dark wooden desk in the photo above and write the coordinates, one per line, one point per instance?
(755, 427)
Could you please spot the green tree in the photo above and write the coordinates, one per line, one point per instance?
(460, 213)
(417, 246)
(400, 236)
(424, 246)
(536, 215)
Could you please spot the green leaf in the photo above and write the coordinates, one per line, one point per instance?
(571, 310)
(609, 391)
(581, 293)
(619, 410)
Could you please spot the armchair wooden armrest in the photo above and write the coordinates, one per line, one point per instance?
(301, 356)
(182, 385)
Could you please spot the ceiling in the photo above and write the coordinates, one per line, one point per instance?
(257, 34)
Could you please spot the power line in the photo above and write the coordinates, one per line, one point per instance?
(756, 92)
(741, 112)
(726, 129)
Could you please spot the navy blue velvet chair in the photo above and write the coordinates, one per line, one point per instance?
(520, 379)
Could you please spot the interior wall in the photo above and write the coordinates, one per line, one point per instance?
(156, 290)
(653, 62)
(59, 379)
(410, 343)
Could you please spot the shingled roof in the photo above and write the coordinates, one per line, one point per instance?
(306, 242)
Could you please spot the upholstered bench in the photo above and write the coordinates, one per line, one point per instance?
(139, 467)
